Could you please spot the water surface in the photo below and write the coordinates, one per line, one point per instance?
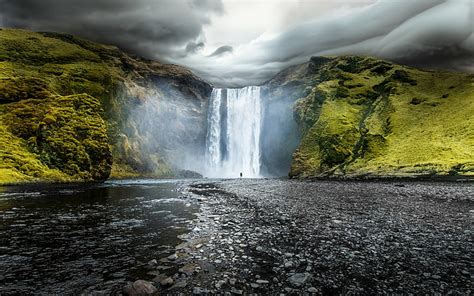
(82, 238)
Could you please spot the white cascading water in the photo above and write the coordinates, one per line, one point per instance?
(233, 138)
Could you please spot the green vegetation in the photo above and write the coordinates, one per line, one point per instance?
(65, 103)
(64, 109)
(367, 117)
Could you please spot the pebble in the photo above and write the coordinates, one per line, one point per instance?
(236, 291)
(139, 288)
(167, 282)
(198, 291)
(299, 279)
(323, 230)
(172, 257)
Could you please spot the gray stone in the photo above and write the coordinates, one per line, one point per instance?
(288, 264)
(172, 257)
(188, 269)
(198, 291)
(219, 284)
(139, 288)
(299, 279)
(312, 290)
(236, 291)
(180, 284)
(167, 282)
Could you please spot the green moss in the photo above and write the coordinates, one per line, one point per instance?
(371, 117)
(65, 105)
(66, 133)
(19, 164)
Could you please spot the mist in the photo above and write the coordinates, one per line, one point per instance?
(169, 126)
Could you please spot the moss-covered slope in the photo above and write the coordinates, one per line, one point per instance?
(65, 108)
(367, 117)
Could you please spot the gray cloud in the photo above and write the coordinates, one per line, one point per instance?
(425, 33)
(193, 47)
(151, 28)
(222, 50)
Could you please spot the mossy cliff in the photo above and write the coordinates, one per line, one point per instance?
(66, 103)
(74, 110)
(364, 117)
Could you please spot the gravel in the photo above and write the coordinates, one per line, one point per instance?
(326, 237)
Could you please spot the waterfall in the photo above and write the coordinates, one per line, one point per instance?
(233, 137)
(213, 151)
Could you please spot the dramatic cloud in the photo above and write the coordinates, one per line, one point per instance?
(425, 33)
(221, 51)
(235, 42)
(154, 29)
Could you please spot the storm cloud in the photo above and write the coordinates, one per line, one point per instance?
(154, 29)
(222, 50)
(424, 33)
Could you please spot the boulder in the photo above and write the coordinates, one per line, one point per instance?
(140, 288)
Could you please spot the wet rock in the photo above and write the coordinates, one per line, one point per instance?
(242, 234)
(288, 264)
(299, 279)
(312, 290)
(219, 284)
(167, 282)
(172, 257)
(188, 269)
(139, 288)
(199, 291)
(180, 284)
(236, 291)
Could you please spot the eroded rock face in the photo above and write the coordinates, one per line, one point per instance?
(77, 110)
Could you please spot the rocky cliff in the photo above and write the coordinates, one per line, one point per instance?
(363, 117)
(74, 110)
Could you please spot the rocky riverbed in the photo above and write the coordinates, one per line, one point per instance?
(325, 237)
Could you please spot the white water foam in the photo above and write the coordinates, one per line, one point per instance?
(233, 138)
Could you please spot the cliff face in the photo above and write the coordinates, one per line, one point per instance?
(74, 110)
(367, 117)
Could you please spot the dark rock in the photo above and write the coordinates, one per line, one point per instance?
(299, 279)
(167, 282)
(140, 288)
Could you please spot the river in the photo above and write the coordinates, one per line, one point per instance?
(240, 236)
(80, 238)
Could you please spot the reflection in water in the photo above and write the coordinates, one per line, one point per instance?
(76, 239)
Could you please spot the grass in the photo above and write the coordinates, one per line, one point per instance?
(53, 125)
(371, 117)
(65, 105)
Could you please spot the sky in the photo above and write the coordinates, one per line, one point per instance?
(245, 42)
